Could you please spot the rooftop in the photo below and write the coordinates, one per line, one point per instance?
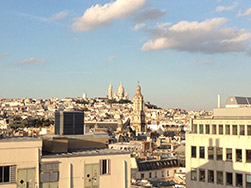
(86, 152)
(19, 139)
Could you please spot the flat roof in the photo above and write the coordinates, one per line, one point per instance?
(86, 152)
(19, 139)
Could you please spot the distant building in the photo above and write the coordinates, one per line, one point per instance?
(218, 150)
(110, 92)
(69, 123)
(117, 96)
(85, 96)
(138, 117)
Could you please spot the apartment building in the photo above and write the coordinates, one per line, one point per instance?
(24, 165)
(218, 150)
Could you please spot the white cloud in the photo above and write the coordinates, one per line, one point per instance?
(59, 16)
(139, 26)
(31, 60)
(3, 55)
(226, 8)
(207, 37)
(149, 14)
(99, 16)
(246, 13)
(111, 58)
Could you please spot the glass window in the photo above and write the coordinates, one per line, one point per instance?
(214, 129)
(167, 173)
(150, 174)
(1, 174)
(248, 156)
(194, 174)
(105, 166)
(234, 129)
(219, 177)
(229, 154)
(202, 152)
(156, 175)
(207, 129)
(242, 129)
(201, 129)
(220, 129)
(194, 128)
(227, 131)
(219, 153)
(239, 180)
(248, 181)
(238, 155)
(210, 177)
(162, 173)
(210, 152)
(202, 175)
(142, 175)
(4, 174)
(229, 178)
(193, 151)
(249, 130)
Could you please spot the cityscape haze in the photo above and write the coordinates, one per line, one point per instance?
(50, 49)
(125, 94)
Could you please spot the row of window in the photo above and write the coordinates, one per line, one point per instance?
(222, 129)
(49, 172)
(218, 177)
(218, 154)
(155, 175)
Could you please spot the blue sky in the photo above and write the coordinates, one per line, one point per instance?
(183, 53)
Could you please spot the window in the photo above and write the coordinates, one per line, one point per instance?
(150, 174)
(214, 129)
(248, 181)
(211, 153)
(162, 174)
(219, 153)
(49, 172)
(234, 129)
(210, 177)
(142, 175)
(248, 156)
(201, 129)
(7, 174)
(207, 129)
(242, 129)
(193, 151)
(229, 154)
(238, 180)
(219, 177)
(229, 178)
(156, 175)
(227, 129)
(167, 173)
(202, 152)
(105, 166)
(220, 129)
(194, 128)
(194, 174)
(238, 155)
(202, 175)
(249, 130)
(49, 176)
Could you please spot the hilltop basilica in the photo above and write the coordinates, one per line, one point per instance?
(117, 96)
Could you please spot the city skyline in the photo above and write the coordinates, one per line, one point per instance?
(181, 52)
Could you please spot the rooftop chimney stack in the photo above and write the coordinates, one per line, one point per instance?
(219, 105)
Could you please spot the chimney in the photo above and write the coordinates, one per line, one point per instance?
(219, 104)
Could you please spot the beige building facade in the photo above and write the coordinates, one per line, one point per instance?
(23, 165)
(218, 150)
